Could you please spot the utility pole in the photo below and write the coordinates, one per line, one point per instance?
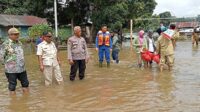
(56, 18)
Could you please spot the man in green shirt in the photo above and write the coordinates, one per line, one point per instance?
(116, 47)
(12, 56)
(139, 44)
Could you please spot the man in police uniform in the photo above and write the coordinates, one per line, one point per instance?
(104, 45)
(78, 54)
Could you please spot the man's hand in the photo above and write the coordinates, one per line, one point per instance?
(97, 49)
(87, 60)
(41, 68)
(59, 62)
(71, 62)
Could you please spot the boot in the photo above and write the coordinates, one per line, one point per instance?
(117, 61)
(108, 64)
(140, 65)
(100, 64)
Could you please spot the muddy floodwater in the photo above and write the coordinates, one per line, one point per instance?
(121, 88)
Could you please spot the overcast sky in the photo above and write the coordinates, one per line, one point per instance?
(179, 8)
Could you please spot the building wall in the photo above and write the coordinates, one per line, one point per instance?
(3, 32)
(23, 31)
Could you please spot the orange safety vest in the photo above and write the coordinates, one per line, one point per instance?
(103, 40)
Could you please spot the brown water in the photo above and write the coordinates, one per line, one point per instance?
(121, 88)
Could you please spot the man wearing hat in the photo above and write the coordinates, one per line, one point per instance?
(48, 60)
(12, 56)
(165, 47)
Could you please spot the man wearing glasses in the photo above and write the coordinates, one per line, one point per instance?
(48, 60)
(12, 56)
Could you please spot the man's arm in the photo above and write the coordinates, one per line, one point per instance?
(69, 52)
(111, 43)
(2, 54)
(58, 59)
(41, 63)
(40, 60)
(96, 42)
(158, 47)
(115, 39)
(86, 51)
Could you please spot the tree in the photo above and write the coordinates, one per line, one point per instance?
(38, 29)
(14, 7)
(114, 16)
(115, 13)
(198, 18)
(166, 14)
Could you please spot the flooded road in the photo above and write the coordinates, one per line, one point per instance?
(121, 88)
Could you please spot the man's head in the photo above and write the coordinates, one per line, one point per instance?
(172, 26)
(150, 33)
(104, 28)
(77, 31)
(161, 24)
(47, 36)
(13, 34)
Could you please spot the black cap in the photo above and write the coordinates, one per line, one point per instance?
(46, 33)
(103, 25)
(172, 26)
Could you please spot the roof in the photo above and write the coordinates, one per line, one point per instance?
(19, 20)
(187, 24)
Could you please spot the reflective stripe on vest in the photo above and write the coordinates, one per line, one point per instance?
(103, 40)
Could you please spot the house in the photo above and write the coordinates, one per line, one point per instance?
(187, 25)
(186, 28)
(19, 21)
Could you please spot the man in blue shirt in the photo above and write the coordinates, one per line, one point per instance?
(104, 45)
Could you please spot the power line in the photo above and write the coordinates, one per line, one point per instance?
(144, 19)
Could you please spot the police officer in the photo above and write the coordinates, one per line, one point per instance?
(104, 45)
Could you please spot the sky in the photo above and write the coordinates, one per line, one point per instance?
(179, 8)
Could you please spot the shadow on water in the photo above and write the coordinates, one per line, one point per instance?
(121, 88)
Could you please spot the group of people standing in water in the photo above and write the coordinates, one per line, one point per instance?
(106, 44)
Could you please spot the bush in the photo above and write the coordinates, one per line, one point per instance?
(38, 29)
(64, 33)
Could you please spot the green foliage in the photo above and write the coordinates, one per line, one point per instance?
(64, 33)
(115, 13)
(151, 24)
(14, 6)
(166, 14)
(114, 16)
(38, 29)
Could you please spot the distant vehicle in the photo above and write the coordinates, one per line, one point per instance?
(197, 29)
(127, 36)
(186, 30)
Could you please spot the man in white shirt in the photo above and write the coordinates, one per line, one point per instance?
(48, 59)
(151, 44)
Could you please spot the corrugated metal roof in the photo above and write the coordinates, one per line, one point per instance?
(17, 20)
(187, 24)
